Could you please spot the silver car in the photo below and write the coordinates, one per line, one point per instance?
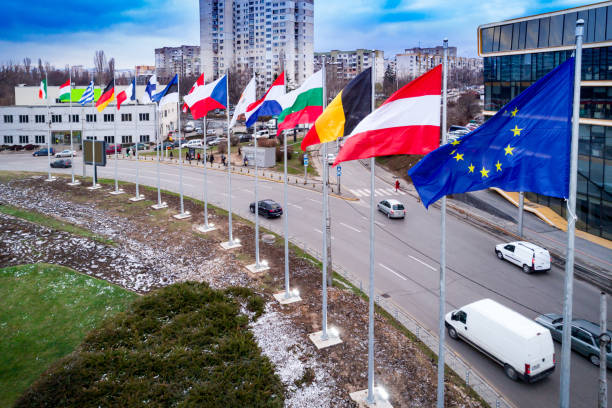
(585, 336)
(392, 208)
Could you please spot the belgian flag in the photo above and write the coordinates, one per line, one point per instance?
(341, 116)
(107, 96)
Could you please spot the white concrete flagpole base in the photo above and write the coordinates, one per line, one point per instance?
(96, 187)
(117, 192)
(139, 198)
(160, 206)
(227, 245)
(205, 229)
(294, 297)
(52, 178)
(360, 397)
(253, 268)
(332, 339)
(182, 216)
(76, 183)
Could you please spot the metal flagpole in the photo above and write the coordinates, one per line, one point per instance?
(604, 340)
(93, 146)
(183, 214)
(49, 130)
(324, 335)
(138, 196)
(159, 204)
(520, 213)
(442, 300)
(230, 243)
(83, 136)
(571, 226)
(206, 227)
(256, 208)
(286, 204)
(371, 399)
(73, 183)
(115, 117)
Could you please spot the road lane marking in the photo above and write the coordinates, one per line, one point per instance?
(312, 199)
(349, 227)
(423, 263)
(392, 271)
(296, 206)
(380, 224)
(318, 230)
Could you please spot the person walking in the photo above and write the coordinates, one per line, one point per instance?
(246, 161)
(397, 185)
(223, 160)
(199, 158)
(212, 159)
(188, 157)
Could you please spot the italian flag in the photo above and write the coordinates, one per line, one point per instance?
(42, 91)
(64, 92)
(303, 105)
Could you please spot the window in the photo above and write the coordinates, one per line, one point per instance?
(8, 139)
(144, 138)
(109, 117)
(460, 316)
(556, 31)
(23, 119)
(126, 117)
(109, 139)
(582, 335)
(126, 139)
(91, 117)
(56, 118)
(569, 30)
(533, 26)
(505, 39)
(24, 139)
(600, 24)
(39, 118)
(74, 118)
(543, 37)
(39, 139)
(509, 248)
(8, 119)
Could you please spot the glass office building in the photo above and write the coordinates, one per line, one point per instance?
(518, 52)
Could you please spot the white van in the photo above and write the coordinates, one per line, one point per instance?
(195, 143)
(520, 345)
(528, 256)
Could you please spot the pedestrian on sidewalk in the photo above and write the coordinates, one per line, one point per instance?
(212, 159)
(223, 160)
(171, 154)
(188, 157)
(397, 186)
(239, 151)
(199, 157)
(246, 161)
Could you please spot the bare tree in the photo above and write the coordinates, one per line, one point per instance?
(100, 65)
(111, 68)
(238, 80)
(41, 69)
(27, 65)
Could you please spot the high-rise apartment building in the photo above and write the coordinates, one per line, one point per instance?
(264, 35)
(183, 60)
(416, 61)
(518, 52)
(347, 64)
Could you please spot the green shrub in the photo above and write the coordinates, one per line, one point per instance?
(183, 345)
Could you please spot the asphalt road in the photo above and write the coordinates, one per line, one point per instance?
(406, 260)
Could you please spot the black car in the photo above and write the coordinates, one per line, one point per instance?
(268, 208)
(244, 137)
(61, 163)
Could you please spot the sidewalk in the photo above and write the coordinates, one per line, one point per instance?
(487, 209)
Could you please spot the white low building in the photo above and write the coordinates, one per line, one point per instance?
(31, 124)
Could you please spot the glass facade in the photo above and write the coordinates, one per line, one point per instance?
(506, 76)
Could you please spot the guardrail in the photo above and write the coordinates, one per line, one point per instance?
(463, 369)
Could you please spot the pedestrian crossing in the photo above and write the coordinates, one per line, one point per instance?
(365, 192)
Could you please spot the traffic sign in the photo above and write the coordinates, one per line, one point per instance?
(338, 171)
(305, 160)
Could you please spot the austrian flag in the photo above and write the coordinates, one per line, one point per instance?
(406, 123)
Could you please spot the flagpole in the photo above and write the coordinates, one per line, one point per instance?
(520, 213)
(117, 191)
(571, 226)
(93, 146)
(159, 205)
(73, 183)
(178, 111)
(442, 299)
(137, 197)
(49, 130)
(286, 204)
(230, 243)
(324, 335)
(371, 397)
(256, 208)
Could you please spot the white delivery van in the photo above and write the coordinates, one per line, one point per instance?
(523, 347)
(528, 256)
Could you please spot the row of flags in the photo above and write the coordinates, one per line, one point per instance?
(524, 147)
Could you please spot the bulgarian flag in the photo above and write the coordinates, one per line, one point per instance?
(303, 105)
(64, 92)
(42, 91)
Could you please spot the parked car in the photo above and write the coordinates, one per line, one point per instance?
(262, 134)
(189, 127)
(110, 148)
(30, 147)
(528, 256)
(165, 145)
(198, 130)
(244, 137)
(140, 146)
(392, 208)
(43, 152)
(523, 347)
(213, 141)
(211, 132)
(66, 153)
(457, 127)
(585, 336)
(331, 158)
(61, 163)
(193, 143)
(268, 208)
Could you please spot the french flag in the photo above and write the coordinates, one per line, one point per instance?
(128, 94)
(205, 98)
(199, 82)
(269, 105)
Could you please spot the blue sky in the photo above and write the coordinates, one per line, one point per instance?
(69, 31)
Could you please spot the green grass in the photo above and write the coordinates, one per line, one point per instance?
(46, 312)
(183, 345)
(53, 223)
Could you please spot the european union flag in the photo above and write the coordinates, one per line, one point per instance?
(524, 147)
